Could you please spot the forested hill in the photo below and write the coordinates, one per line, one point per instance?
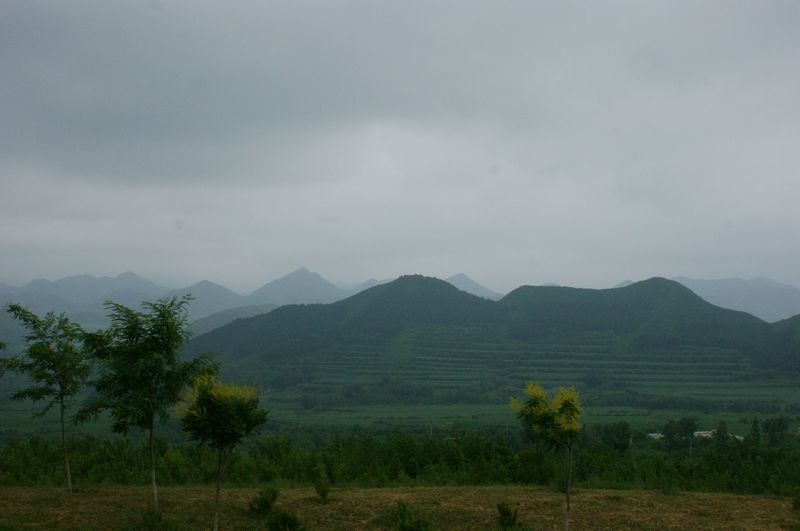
(651, 315)
(375, 315)
(655, 313)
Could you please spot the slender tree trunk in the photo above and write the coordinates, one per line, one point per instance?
(222, 463)
(64, 446)
(569, 481)
(153, 464)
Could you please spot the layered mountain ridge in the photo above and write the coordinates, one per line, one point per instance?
(652, 314)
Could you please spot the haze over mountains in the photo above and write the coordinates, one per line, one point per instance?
(759, 296)
(423, 337)
(464, 283)
(655, 313)
(214, 305)
(762, 297)
(83, 296)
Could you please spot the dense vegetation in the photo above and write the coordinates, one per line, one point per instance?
(767, 461)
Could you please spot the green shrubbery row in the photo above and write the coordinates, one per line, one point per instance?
(605, 457)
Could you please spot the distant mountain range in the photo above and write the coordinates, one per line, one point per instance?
(418, 339)
(656, 313)
(759, 296)
(82, 297)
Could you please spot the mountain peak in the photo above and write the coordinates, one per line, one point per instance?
(301, 286)
(464, 283)
(128, 275)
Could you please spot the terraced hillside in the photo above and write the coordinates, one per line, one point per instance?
(417, 345)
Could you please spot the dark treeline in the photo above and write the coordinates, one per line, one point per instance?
(766, 461)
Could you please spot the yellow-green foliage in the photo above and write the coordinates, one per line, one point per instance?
(567, 410)
(220, 414)
(557, 421)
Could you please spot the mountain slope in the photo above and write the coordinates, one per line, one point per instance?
(218, 319)
(83, 290)
(298, 287)
(420, 340)
(788, 337)
(370, 283)
(655, 313)
(759, 296)
(651, 315)
(208, 298)
(464, 283)
(375, 315)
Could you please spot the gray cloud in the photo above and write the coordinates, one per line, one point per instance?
(520, 142)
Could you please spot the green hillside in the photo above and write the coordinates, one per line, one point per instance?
(215, 320)
(423, 344)
(652, 314)
(788, 336)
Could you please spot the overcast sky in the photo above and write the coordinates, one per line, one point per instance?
(581, 143)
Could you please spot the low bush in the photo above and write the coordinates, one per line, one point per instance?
(506, 517)
(406, 517)
(280, 520)
(322, 487)
(264, 502)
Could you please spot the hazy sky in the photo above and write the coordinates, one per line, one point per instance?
(581, 143)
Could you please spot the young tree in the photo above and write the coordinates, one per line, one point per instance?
(555, 422)
(678, 433)
(221, 416)
(55, 363)
(140, 372)
(687, 428)
(2, 361)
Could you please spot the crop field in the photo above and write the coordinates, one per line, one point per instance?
(444, 507)
(445, 378)
(463, 378)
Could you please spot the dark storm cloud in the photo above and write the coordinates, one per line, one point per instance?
(517, 141)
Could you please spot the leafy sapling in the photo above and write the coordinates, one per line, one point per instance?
(141, 375)
(555, 421)
(55, 362)
(221, 416)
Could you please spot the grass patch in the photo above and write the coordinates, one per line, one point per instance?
(461, 508)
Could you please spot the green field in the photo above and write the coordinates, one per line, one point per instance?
(467, 381)
(643, 388)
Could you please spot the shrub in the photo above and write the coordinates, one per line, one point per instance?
(505, 516)
(280, 520)
(406, 517)
(264, 502)
(322, 486)
(151, 520)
